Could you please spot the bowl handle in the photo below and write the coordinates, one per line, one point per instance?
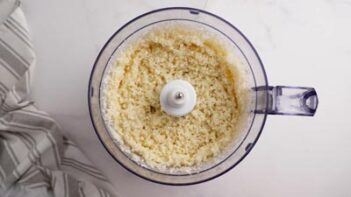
(287, 100)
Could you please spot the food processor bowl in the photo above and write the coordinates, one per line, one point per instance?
(263, 98)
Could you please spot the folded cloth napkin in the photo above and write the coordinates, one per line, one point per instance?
(35, 159)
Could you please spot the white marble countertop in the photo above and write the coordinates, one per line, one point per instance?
(301, 43)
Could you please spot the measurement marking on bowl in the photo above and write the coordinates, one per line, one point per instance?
(194, 12)
(248, 147)
(91, 92)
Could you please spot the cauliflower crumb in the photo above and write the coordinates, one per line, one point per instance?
(131, 96)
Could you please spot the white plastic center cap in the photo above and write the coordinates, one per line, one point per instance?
(178, 98)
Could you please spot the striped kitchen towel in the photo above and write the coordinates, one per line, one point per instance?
(35, 159)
